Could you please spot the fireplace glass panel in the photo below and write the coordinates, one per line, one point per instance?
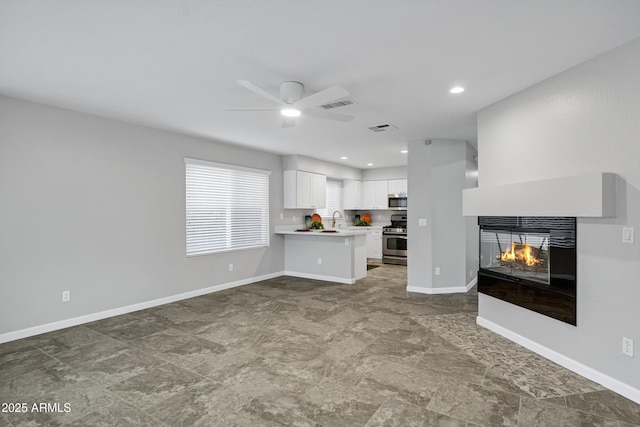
(521, 254)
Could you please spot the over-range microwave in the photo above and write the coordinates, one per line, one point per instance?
(397, 202)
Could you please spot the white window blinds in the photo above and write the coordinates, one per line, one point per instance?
(227, 207)
(334, 199)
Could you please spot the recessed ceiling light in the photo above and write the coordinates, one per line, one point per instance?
(457, 89)
(290, 112)
(343, 158)
(404, 151)
(369, 164)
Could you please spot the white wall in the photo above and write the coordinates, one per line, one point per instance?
(437, 175)
(398, 172)
(472, 232)
(331, 170)
(580, 121)
(96, 206)
(419, 244)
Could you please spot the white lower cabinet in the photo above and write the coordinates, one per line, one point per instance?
(374, 243)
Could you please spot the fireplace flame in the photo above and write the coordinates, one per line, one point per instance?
(522, 254)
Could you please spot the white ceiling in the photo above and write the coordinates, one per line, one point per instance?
(172, 64)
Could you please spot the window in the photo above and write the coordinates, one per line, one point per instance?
(227, 207)
(334, 199)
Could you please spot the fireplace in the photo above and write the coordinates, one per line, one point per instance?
(530, 262)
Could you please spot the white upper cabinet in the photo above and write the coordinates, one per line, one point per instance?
(318, 191)
(304, 190)
(397, 186)
(351, 194)
(375, 194)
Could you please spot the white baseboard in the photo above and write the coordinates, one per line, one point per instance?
(562, 360)
(449, 290)
(66, 323)
(472, 283)
(320, 277)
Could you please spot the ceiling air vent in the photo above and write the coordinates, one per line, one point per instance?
(341, 103)
(382, 128)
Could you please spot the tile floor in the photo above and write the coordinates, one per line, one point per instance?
(298, 352)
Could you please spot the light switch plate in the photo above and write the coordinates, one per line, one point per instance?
(422, 222)
(627, 235)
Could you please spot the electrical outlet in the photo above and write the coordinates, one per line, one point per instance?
(230, 267)
(627, 347)
(319, 261)
(294, 218)
(281, 215)
(627, 235)
(437, 271)
(422, 222)
(66, 296)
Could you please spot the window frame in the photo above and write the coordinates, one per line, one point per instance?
(230, 197)
(329, 210)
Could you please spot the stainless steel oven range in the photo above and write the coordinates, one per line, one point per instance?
(394, 240)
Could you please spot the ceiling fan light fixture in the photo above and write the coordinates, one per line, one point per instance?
(290, 112)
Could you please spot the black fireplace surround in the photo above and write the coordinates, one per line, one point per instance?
(530, 262)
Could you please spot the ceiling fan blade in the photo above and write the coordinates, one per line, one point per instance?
(322, 114)
(323, 97)
(289, 122)
(255, 89)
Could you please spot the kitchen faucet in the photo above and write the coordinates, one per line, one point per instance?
(333, 218)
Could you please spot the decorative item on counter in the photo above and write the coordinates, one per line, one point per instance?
(364, 221)
(307, 221)
(316, 222)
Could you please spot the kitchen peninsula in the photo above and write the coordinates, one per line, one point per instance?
(332, 255)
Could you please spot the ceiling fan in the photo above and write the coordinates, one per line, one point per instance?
(292, 104)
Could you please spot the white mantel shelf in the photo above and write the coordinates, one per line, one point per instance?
(591, 195)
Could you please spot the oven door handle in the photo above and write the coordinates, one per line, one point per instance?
(397, 236)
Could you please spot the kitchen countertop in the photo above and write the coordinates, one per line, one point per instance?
(341, 232)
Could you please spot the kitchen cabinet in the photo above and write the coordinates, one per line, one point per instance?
(304, 190)
(374, 243)
(397, 186)
(336, 257)
(351, 194)
(375, 194)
